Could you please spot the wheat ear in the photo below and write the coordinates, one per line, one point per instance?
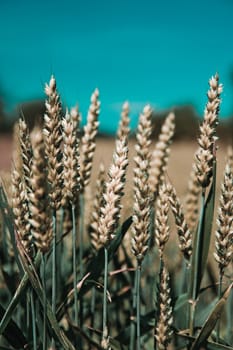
(184, 234)
(162, 230)
(26, 151)
(160, 154)
(88, 143)
(17, 156)
(71, 178)
(206, 153)
(114, 190)
(21, 212)
(98, 203)
(141, 206)
(21, 186)
(124, 129)
(163, 329)
(40, 210)
(53, 140)
(224, 232)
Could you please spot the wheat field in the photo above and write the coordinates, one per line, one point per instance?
(116, 243)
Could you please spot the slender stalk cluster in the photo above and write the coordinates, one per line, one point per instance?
(88, 143)
(98, 203)
(184, 234)
(162, 231)
(71, 178)
(41, 224)
(224, 233)
(141, 206)
(160, 154)
(206, 152)
(114, 187)
(53, 140)
(163, 329)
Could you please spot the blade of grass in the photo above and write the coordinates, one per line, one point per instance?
(13, 334)
(211, 320)
(19, 294)
(201, 247)
(208, 345)
(35, 282)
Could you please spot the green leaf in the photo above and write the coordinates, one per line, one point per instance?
(202, 240)
(13, 334)
(35, 282)
(208, 345)
(211, 320)
(180, 311)
(19, 294)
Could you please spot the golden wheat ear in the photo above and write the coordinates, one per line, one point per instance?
(40, 211)
(98, 203)
(53, 142)
(205, 155)
(184, 234)
(114, 191)
(164, 318)
(224, 232)
(71, 177)
(141, 206)
(88, 142)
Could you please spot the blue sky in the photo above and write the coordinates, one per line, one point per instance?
(158, 52)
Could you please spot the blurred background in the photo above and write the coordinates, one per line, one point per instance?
(157, 52)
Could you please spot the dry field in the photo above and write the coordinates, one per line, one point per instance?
(179, 166)
(111, 259)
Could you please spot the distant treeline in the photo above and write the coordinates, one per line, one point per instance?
(187, 121)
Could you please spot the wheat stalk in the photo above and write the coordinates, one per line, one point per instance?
(142, 203)
(141, 206)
